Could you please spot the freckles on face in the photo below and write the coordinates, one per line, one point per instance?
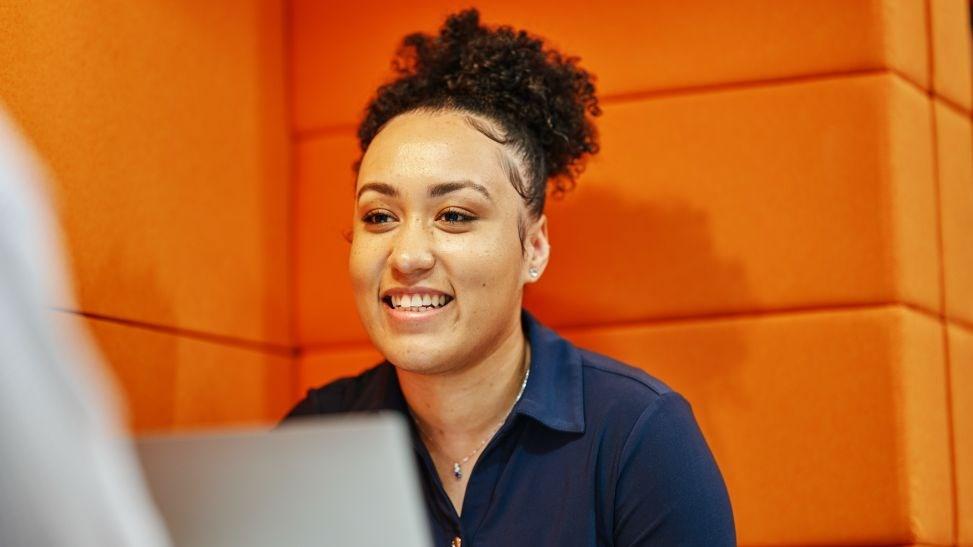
(436, 256)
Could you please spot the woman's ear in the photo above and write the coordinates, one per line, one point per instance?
(538, 250)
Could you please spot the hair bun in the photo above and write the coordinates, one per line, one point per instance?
(503, 74)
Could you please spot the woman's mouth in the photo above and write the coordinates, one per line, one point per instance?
(416, 303)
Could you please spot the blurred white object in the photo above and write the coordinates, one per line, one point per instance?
(67, 476)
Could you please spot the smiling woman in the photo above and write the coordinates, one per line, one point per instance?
(522, 438)
(448, 224)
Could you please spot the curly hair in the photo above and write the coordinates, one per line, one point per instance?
(540, 99)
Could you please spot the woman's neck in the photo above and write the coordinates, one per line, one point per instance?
(469, 403)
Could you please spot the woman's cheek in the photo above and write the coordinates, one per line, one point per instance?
(485, 273)
(364, 267)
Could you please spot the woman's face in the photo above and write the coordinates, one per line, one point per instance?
(437, 262)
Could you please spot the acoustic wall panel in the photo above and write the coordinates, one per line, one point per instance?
(320, 366)
(950, 40)
(829, 427)
(954, 142)
(324, 193)
(779, 197)
(164, 127)
(632, 47)
(961, 376)
(174, 382)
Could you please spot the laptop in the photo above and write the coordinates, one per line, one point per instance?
(348, 480)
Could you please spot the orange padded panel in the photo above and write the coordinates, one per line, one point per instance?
(961, 376)
(165, 129)
(955, 155)
(829, 427)
(785, 196)
(341, 51)
(324, 209)
(318, 367)
(950, 25)
(142, 367)
(219, 385)
(175, 382)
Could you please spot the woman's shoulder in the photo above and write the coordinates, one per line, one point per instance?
(363, 392)
(621, 400)
(659, 448)
(611, 381)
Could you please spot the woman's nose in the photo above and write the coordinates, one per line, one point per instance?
(413, 249)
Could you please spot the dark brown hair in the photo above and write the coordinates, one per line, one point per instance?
(541, 100)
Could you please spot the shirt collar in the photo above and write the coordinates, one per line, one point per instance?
(554, 395)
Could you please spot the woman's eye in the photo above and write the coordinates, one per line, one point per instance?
(377, 217)
(453, 216)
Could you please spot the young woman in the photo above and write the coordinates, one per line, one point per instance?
(522, 438)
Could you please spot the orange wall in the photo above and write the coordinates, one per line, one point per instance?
(778, 225)
(164, 127)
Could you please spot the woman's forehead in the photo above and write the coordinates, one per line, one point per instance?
(429, 148)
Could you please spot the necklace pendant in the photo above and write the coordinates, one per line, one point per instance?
(457, 471)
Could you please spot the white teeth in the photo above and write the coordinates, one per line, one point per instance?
(407, 301)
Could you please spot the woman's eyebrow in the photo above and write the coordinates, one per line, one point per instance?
(380, 187)
(444, 188)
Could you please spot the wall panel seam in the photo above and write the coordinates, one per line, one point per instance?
(949, 103)
(626, 97)
(756, 315)
(363, 344)
(961, 324)
(951, 440)
(292, 185)
(218, 339)
(649, 94)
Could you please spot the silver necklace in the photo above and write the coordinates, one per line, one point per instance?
(458, 464)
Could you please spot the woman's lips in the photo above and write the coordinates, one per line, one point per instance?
(414, 316)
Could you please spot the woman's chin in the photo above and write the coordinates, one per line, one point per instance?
(419, 361)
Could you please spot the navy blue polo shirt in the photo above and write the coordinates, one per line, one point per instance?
(594, 453)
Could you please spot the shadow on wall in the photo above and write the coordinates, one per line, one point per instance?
(618, 260)
(621, 269)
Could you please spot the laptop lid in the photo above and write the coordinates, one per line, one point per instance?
(348, 480)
